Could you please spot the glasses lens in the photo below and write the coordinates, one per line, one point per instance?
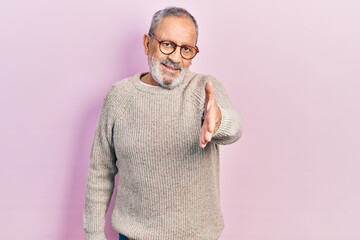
(167, 47)
(188, 52)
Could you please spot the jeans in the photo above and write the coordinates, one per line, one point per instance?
(122, 237)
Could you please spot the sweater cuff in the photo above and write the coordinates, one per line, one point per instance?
(95, 236)
(222, 128)
(230, 128)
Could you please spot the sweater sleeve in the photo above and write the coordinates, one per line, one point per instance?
(230, 128)
(102, 170)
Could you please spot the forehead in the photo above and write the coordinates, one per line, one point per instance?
(180, 30)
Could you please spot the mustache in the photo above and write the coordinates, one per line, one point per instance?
(170, 63)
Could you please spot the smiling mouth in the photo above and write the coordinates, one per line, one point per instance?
(172, 69)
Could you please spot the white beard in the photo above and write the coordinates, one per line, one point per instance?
(158, 77)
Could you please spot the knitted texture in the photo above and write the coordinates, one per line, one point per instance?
(168, 187)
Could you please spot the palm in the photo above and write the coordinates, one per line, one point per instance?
(212, 116)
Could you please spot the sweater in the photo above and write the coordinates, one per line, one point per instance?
(168, 187)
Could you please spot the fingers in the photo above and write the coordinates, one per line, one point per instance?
(203, 141)
(205, 138)
(208, 136)
(207, 129)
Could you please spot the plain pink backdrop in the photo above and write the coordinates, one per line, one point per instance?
(292, 69)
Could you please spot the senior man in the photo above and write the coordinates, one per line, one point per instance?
(160, 131)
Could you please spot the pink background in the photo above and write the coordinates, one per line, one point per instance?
(292, 69)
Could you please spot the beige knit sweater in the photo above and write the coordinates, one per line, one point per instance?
(168, 187)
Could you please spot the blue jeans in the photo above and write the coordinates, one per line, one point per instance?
(122, 237)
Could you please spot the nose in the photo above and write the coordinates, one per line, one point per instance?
(176, 55)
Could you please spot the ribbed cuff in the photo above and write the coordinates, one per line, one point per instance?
(223, 124)
(95, 236)
(229, 130)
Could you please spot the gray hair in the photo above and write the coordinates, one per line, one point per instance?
(171, 11)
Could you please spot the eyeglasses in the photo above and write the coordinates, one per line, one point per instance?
(168, 47)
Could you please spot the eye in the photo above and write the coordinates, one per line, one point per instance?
(187, 49)
(167, 44)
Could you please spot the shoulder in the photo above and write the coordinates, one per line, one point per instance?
(195, 87)
(197, 84)
(119, 88)
(120, 93)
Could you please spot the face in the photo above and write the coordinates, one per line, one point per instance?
(169, 70)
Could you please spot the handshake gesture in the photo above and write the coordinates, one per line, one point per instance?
(212, 116)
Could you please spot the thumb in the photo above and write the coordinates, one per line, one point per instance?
(209, 93)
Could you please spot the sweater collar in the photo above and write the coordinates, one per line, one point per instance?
(159, 90)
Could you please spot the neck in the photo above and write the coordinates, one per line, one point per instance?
(147, 78)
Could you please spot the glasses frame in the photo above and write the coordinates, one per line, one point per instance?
(176, 46)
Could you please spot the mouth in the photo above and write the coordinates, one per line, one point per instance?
(170, 68)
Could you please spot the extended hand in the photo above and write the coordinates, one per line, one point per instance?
(212, 116)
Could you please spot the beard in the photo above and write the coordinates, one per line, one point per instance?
(166, 80)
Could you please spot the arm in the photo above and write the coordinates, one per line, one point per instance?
(221, 124)
(101, 175)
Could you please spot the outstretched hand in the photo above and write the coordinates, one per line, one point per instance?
(212, 116)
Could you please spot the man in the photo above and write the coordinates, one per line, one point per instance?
(160, 131)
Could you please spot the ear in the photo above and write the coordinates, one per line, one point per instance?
(146, 43)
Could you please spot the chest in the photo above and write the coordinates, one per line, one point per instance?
(155, 122)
